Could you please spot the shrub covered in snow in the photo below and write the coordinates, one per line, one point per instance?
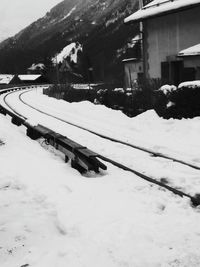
(167, 89)
(132, 101)
(181, 102)
(190, 84)
(120, 90)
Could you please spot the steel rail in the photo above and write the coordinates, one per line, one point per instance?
(156, 154)
(10, 107)
(194, 199)
(81, 157)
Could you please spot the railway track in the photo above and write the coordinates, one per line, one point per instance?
(81, 157)
(194, 199)
(149, 151)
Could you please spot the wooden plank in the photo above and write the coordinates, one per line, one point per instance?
(79, 155)
(89, 153)
(68, 142)
(43, 130)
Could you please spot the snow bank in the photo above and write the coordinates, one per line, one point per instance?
(51, 216)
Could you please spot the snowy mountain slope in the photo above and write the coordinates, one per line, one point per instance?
(95, 24)
(70, 51)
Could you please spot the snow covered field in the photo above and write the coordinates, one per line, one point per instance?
(174, 137)
(146, 130)
(51, 216)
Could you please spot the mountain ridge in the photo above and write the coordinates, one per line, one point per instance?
(96, 24)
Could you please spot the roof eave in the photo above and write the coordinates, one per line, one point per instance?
(189, 55)
(161, 14)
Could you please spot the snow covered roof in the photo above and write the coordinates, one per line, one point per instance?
(29, 77)
(161, 7)
(190, 51)
(6, 78)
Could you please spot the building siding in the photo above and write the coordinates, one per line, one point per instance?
(131, 71)
(167, 35)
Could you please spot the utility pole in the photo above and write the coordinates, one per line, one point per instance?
(57, 71)
(141, 4)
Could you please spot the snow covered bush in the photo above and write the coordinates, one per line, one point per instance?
(167, 89)
(181, 102)
(130, 101)
(112, 97)
(120, 90)
(68, 93)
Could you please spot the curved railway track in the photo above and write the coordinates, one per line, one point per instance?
(10, 107)
(151, 152)
(194, 199)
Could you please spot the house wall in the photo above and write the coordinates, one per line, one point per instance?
(131, 69)
(191, 62)
(165, 36)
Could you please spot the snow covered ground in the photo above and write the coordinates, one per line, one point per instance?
(146, 130)
(174, 137)
(51, 216)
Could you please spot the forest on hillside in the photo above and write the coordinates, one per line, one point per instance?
(97, 25)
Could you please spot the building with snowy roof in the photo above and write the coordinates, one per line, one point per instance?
(32, 78)
(171, 39)
(6, 79)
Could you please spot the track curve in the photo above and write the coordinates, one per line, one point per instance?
(195, 199)
(154, 153)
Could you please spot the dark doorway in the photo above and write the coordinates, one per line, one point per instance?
(165, 72)
(172, 72)
(188, 74)
(176, 72)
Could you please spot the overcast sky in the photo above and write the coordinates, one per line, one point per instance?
(17, 14)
